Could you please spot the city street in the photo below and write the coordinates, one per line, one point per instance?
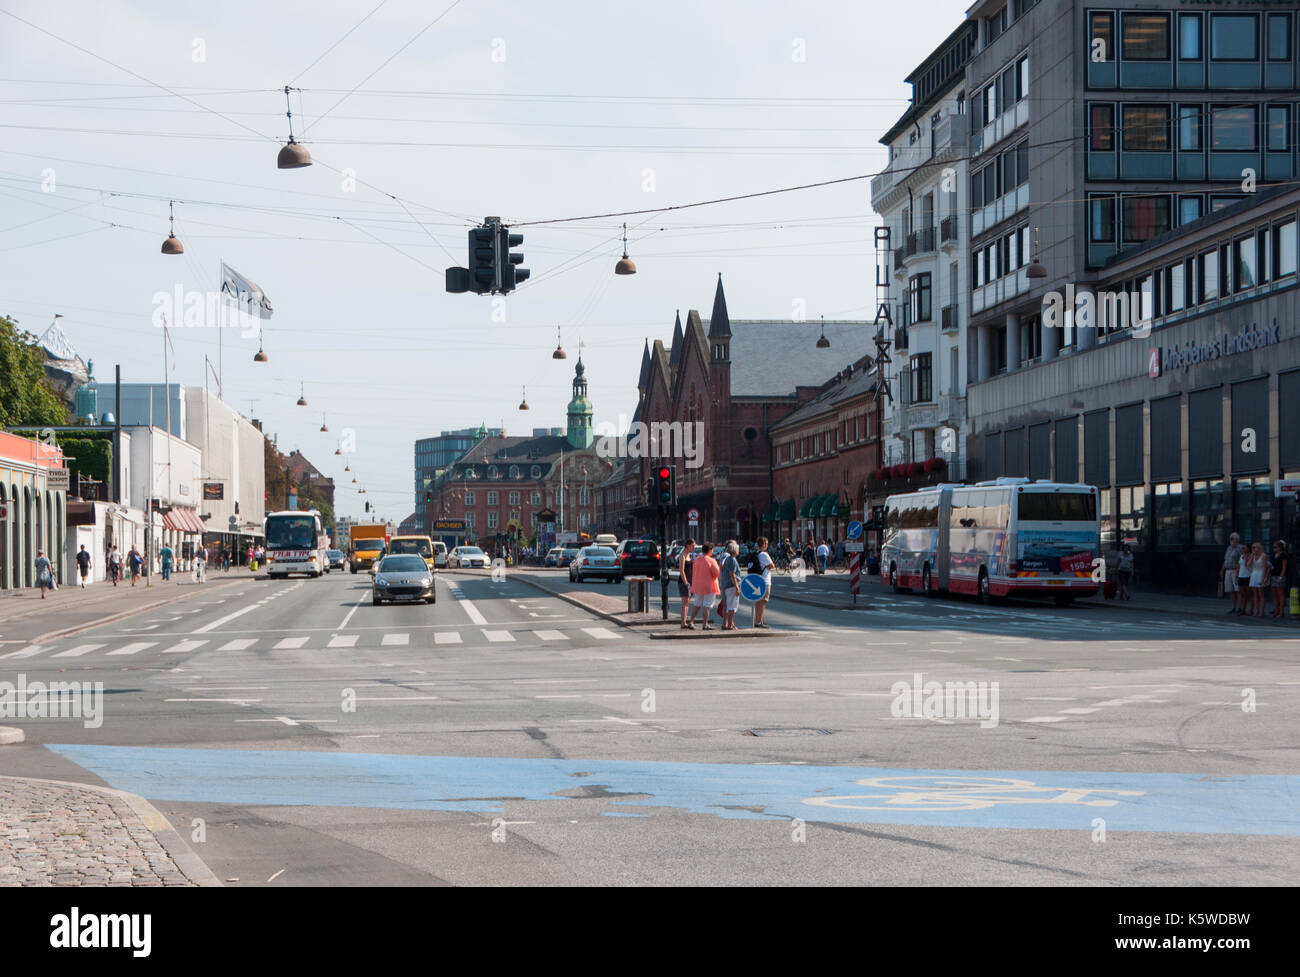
(297, 735)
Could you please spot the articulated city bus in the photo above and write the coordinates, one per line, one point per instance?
(994, 539)
(295, 543)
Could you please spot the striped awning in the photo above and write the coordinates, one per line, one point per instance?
(829, 504)
(788, 510)
(772, 512)
(805, 510)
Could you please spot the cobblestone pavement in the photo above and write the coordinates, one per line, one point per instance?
(62, 835)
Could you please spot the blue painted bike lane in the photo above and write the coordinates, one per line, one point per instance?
(1036, 799)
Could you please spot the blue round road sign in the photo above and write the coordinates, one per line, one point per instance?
(855, 529)
(753, 587)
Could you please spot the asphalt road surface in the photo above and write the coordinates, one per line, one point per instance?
(300, 736)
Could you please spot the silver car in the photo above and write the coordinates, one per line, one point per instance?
(594, 561)
(403, 577)
(468, 557)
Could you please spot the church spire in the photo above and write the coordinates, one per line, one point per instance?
(579, 431)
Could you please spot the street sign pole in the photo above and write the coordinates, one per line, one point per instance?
(663, 561)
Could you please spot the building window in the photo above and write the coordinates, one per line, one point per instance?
(1208, 496)
(535, 498)
(1175, 288)
(1101, 45)
(1189, 37)
(493, 472)
(469, 521)
(514, 471)
(1189, 208)
(1022, 79)
(1189, 128)
(1252, 508)
(1145, 128)
(1145, 36)
(493, 520)
(584, 496)
(1105, 499)
(469, 498)
(1101, 220)
(514, 498)
(922, 378)
(1233, 128)
(1170, 516)
(1279, 37)
(1279, 126)
(492, 498)
(1145, 218)
(1284, 249)
(1234, 37)
(1101, 126)
(535, 471)
(1246, 261)
(1031, 338)
(1132, 515)
(920, 290)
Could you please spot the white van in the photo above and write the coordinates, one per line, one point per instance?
(439, 554)
(606, 539)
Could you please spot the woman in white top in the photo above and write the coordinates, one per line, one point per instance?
(765, 565)
(1259, 579)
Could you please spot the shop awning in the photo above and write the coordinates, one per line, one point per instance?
(182, 521)
(772, 512)
(787, 510)
(829, 504)
(805, 510)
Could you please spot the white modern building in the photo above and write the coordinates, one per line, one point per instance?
(923, 198)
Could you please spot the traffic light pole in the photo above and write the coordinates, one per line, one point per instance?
(663, 562)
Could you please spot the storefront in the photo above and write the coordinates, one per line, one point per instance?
(33, 511)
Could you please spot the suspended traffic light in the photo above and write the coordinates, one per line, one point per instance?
(664, 488)
(511, 273)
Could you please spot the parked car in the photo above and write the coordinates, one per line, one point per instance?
(403, 576)
(468, 557)
(638, 558)
(553, 557)
(594, 561)
(336, 559)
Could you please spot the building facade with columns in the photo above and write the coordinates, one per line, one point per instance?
(923, 199)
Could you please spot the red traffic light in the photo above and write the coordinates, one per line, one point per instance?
(664, 473)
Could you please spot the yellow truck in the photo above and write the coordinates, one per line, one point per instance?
(368, 544)
(421, 546)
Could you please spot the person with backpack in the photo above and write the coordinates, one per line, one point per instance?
(136, 563)
(684, 561)
(200, 563)
(730, 569)
(114, 565)
(167, 555)
(83, 564)
(44, 572)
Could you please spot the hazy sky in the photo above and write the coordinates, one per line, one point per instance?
(524, 110)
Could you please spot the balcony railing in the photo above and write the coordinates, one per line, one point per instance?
(948, 317)
(948, 230)
(948, 137)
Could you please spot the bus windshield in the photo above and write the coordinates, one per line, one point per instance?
(1058, 507)
(419, 547)
(291, 532)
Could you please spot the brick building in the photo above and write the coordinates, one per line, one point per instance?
(736, 379)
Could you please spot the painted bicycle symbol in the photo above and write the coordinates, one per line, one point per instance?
(956, 793)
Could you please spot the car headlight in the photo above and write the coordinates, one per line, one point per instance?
(380, 582)
(426, 582)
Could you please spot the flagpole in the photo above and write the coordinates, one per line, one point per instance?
(221, 327)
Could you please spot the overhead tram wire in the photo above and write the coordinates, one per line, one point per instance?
(346, 35)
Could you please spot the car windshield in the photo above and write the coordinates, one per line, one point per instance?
(334, 553)
(640, 547)
(420, 547)
(597, 551)
(470, 551)
(402, 564)
(368, 544)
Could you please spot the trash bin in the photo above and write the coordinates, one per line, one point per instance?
(636, 594)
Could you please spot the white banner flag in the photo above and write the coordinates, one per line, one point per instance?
(247, 294)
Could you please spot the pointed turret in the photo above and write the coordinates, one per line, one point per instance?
(675, 352)
(719, 323)
(643, 380)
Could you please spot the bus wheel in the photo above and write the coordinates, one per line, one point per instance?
(985, 596)
(925, 583)
(893, 579)
(1063, 600)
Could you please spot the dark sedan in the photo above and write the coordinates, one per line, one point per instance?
(638, 558)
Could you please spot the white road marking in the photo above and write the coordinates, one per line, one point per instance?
(28, 652)
(498, 635)
(239, 644)
(470, 610)
(1078, 711)
(1044, 719)
(343, 641)
(133, 648)
(213, 625)
(551, 635)
(240, 702)
(297, 642)
(275, 876)
(447, 638)
(605, 633)
(183, 646)
(286, 720)
(1051, 698)
(396, 639)
(76, 652)
(348, 617)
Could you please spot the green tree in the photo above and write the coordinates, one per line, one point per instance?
(26, 396)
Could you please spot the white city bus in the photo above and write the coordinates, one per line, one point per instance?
(295, 543)
(1006, 537)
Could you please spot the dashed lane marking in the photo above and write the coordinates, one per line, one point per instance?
(78, 651)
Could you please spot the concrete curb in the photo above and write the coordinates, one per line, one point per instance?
(10, 735)
(123, 615)
(176, 847)
(613, 618)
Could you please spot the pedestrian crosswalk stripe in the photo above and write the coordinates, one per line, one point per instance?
(343, 641)
(497, 635)
(27, 652)
(183, 646)
(239, 644)
(133, 647)
(77, 652)
(601, 633)
(551, 635)
(447, 638)
(396, 639)
(297, 642)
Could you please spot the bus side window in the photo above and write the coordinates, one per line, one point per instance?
(1003, 498)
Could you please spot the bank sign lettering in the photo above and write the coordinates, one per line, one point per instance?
(1192, 353)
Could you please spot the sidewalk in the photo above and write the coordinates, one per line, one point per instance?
(24, 617)
(58, 833)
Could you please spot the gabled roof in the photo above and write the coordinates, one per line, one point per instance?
(675, 352)
(771, 358)
(719, 322)
(862, 381)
